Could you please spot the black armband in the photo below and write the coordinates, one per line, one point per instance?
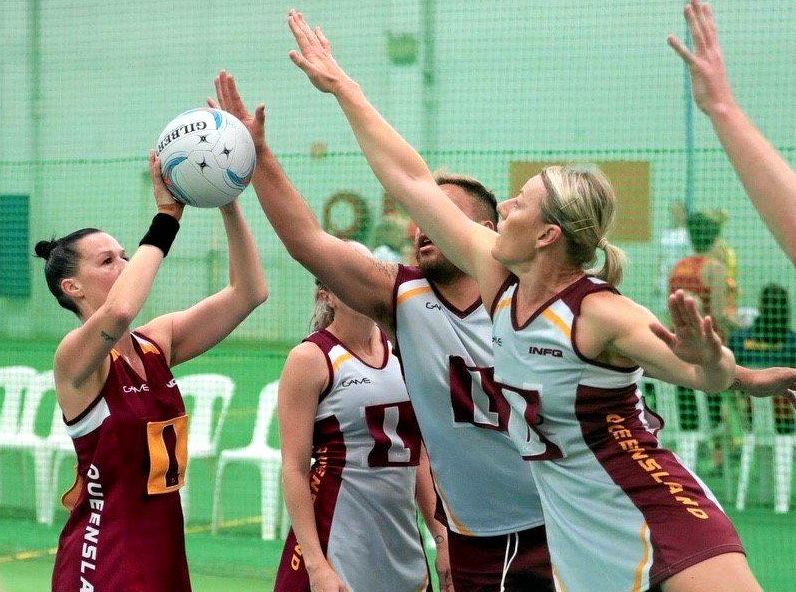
(161, 232)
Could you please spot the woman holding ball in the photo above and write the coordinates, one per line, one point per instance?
(121, 403)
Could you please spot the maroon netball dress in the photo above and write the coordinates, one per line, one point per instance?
(125, 529)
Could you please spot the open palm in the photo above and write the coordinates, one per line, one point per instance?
(315, 55)
(695, 339)
(229, 100)
(709, 81)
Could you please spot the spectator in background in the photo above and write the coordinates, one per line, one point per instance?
(770, 342)
(674, 245)
(706, 277)
(724, 253)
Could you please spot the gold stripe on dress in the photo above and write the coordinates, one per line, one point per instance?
(558, 321)
(412, 293)
(645, 559)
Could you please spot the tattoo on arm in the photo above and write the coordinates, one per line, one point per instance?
(108, 338)
(736, 384)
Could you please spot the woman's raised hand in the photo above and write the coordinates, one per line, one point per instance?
(709, 81)
(314, 55)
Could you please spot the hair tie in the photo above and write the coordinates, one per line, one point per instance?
(602, 243)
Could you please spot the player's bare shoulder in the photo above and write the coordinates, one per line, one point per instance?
(73, 390)
(305, 354)
(68, 369)
(607, 315)
(604, 317)
(611, 309)
(306, 364)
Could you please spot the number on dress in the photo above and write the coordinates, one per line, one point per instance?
(476, 397)
(395, 435)
(168, 454)
(532, 444)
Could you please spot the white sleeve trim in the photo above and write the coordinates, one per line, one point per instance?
(91, 421)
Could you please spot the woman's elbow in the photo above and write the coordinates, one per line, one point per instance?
(120, 314)
(260, 295)
(246, 299)
(722, 381)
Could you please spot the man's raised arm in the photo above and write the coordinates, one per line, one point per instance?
(363, 283)
(398, 166)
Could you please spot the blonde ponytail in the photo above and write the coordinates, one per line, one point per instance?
(613, 265)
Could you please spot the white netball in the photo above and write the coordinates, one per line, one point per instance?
(206, 157)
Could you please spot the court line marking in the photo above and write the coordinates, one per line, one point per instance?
(39, 553)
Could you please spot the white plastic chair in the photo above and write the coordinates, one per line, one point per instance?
(40, 446)
(14, 381)
(25, 438)
(685, 442)
(204, 434)
(61, 449)
(269, 461)
(764, 434)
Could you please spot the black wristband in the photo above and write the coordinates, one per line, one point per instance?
(161, 232)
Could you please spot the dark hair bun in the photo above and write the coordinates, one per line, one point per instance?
(44, 248)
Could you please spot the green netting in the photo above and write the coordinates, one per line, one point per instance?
(476, 86)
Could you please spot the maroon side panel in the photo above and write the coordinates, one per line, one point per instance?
(686, 526)
(325, 480)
